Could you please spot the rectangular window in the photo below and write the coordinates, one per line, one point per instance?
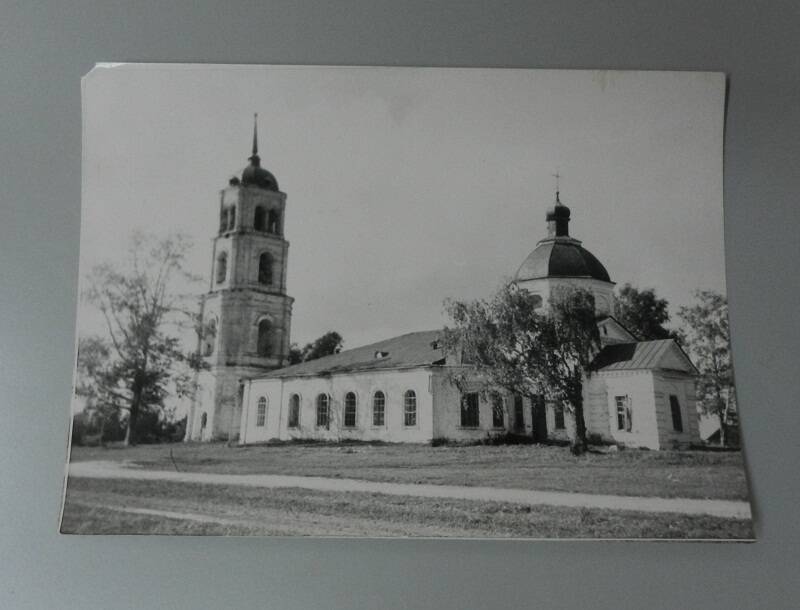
(519, 414)
(470, 415)
(559, 417)
(624, 415)
(677, 418)
(498, 415)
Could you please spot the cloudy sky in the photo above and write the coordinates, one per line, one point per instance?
(407, 186)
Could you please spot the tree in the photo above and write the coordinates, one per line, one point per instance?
(643, 313)
(513, 346)
(329, 343)
(134, 367)
(707, 338)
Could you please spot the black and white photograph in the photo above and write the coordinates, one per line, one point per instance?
(392, 302)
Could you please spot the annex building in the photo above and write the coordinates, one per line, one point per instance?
(639, 393)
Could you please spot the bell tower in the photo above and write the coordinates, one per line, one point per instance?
(246, 313)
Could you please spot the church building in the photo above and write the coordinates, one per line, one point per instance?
(638, 393)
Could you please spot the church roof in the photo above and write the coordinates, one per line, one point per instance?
(409, 350)
(660, 354)
(561, 257)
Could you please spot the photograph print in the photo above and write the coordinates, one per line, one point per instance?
(503, 313)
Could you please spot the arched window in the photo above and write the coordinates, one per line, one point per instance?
(222, 266)
(223, 219)
(231, 217)
(350, 410)
(259, 218)
(410, 408)
(264, 347)
(203, 420)
(323, 411)
(273, 224)
(261, 412)
(379, 409)
(294, 411)
(210, 337)
(265, 268)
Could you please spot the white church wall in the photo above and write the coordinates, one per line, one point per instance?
(635, 387)
(447, 413)
(393, 383)
(683, 387)
(595, 408)
(560, 434)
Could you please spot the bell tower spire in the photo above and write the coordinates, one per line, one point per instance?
(254, 158)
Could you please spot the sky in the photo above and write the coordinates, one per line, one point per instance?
(407, 186)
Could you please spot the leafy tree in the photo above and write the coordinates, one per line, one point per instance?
(329, 343)
(643, 313)
(295, 354)
(515, 347)
(707, 339)
(141, 358)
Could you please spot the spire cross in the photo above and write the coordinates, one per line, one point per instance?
(557, 176)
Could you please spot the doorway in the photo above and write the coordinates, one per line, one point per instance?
(539, 418)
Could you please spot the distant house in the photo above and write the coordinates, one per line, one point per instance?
(639, 394)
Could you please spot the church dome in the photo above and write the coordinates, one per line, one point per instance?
(255, 175)
(561, 257)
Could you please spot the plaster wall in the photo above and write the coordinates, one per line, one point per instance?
(393, 383)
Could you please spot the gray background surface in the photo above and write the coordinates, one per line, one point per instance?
(47, 46)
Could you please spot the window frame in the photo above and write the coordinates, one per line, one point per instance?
(624, 410)
(412, 395)
(677, 413)
(382, 408)
(466, 409)
(559, 417)
(260, 213)
(354, 406)
(269, 352)
(293, 422)
(327, 424)
(498, 406)
(519, 413)
(273, 222)
(261, 412)
(266, 270)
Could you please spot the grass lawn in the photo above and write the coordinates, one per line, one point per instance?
(668, 474)
(98, 506)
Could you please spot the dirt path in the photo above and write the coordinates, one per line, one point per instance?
(686, 506)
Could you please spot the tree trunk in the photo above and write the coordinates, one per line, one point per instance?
(722, 412)
(578, 445)
(133, 415)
